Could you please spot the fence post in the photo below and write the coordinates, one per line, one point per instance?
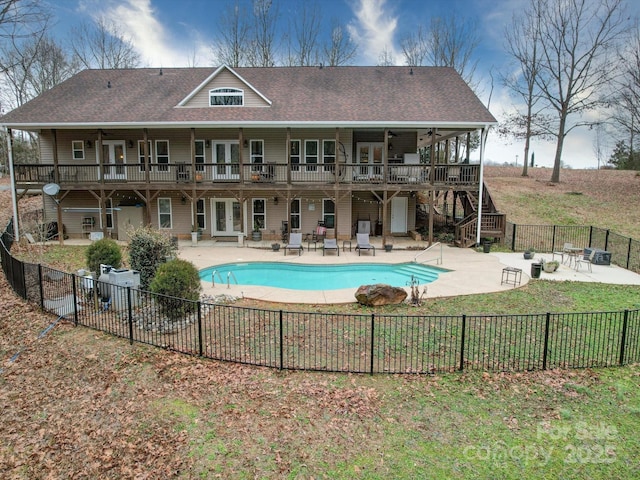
(546, 341)
(629, 253)
(130, 312)
(553, 239)
(623, 340)
(199, 328)
(281, 322)
(39, 284)
(591, 236)
(75, 299)
(373, 327)
(464, 329)
(606, 240)
(513, 238)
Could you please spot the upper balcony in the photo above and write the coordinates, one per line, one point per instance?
(80, 176)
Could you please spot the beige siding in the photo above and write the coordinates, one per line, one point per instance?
(226, 79)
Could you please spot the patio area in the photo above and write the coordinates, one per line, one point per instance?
(469, 271)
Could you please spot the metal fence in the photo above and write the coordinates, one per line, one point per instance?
(359, 343)
(625, 251)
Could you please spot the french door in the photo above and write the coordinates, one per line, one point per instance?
(226, 217)
(226, 157)
(113, 160)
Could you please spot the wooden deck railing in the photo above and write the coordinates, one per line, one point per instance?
(282, 173)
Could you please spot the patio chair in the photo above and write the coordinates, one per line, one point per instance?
(580, 260)
(295, 243)
(330, 244)
(563, 252)
(363, 243)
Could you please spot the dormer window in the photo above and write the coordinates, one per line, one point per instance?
(226, 97)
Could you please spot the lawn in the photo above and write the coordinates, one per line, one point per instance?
(79, 403)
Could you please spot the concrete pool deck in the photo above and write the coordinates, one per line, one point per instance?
(469, 272)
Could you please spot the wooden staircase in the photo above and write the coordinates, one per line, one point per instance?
(493, 223)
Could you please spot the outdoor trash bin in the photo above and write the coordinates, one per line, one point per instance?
(536, 269)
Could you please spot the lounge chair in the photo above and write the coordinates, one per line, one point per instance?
(295, 243)
(363, 243)
(330, 244)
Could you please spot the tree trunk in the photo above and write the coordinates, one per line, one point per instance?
(555, 175)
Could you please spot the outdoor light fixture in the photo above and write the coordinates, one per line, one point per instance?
(275, 200)
(130, 143)
(88, 143)
(245, 144)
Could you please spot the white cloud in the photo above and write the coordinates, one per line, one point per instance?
(155, 43)
(373, 30)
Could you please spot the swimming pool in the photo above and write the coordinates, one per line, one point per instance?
(300, 276)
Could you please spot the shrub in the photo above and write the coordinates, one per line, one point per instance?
(104, 251)
(148, 249)
(174, 281)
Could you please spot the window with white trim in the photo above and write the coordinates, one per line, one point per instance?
(77, 149)
(329, 155)
(256, 154)
(311, 155)
(328, 212)
(199, 155)
(259, 213)
(294, 155)
(142, 160)
(162, 155)
(201, 218)
(295, 216)
(164, 213)
(109, 213)
(226, 97)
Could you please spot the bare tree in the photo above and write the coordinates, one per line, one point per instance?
(233, 37)
(626, 114)
(577, 39)
(385, 59)
(32, 66)
(452, 42)
(103, 45)
(263, 48)
(414, 48)
(22, 18)
(303, 43)
(522, 40)
(340, 49)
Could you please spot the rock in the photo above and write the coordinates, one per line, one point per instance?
(380, 294)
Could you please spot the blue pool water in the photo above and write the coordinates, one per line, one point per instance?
(296, 276)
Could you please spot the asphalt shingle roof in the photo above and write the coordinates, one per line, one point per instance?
(332, 95)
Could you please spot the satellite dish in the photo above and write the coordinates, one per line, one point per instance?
(51, 189)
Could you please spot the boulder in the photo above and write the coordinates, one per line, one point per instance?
(380, 294)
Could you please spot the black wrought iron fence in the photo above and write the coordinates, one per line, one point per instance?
(625, 251)
(359, 343)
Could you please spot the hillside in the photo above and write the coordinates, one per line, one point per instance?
(583, 197)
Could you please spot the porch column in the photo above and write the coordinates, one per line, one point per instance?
(147, 175)
(241, 155)
(194, 200)
(481, 189)
(432, 175)
(386, 229)
(14, 198)
(288, 157)
(56, 179)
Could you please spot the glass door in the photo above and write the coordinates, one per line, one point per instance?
(226, 156)
(113, 160)
(226, 217)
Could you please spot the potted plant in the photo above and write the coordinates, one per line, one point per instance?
(256, 234)
(550, 266)
(388, 244)
(275, 246)
(528, 253)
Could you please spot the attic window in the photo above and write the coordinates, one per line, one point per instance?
(226, 97)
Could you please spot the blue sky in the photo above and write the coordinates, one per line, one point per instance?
(181, 32)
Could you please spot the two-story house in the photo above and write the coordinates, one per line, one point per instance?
(229, 150)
